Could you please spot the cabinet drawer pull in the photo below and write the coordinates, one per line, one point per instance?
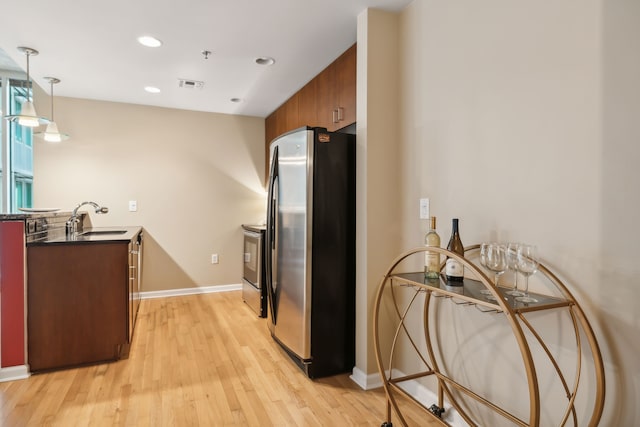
(340, 114)
(335, 115)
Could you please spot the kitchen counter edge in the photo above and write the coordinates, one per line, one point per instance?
(130, 233)
(27, 215)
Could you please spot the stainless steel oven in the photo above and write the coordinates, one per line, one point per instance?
(253, 286)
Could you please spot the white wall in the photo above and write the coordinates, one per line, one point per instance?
(196, 177)
(522, 120)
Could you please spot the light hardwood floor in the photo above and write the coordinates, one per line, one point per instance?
(201, 360)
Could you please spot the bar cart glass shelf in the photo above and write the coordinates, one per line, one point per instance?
(400, 290)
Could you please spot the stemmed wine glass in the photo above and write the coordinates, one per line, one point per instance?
(495, 260)
(511, 255)
(527, 265)
(492, 256)
(483, 253)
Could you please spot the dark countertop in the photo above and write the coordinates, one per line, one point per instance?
(28, 215)
(254, 228)
(93, 235)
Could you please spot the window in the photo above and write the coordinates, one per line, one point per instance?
(22, 187)
(16, 155)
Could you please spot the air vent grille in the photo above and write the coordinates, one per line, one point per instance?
(190, 84)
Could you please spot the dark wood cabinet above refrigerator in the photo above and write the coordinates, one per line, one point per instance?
(328, 100)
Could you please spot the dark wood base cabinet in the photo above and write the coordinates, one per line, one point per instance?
(79, 303)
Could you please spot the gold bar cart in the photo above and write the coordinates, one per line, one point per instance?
(478, 291)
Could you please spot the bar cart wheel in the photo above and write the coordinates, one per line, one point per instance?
(387, 424)
(436, 410)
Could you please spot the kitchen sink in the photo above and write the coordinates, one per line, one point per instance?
(102, 232)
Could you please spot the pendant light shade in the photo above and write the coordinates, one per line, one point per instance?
(51, 134)
(27, 116)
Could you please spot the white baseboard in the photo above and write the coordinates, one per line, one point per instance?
(13, 373)
(414, 388)
(21, 372)
(190, 291)
(366, 382)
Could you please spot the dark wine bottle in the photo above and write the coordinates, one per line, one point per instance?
(454, 270)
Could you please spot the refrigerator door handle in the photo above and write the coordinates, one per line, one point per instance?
(270, 233)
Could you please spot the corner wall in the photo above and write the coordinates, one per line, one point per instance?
(195, 176)
(378, 185)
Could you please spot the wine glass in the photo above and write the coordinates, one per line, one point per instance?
(511, 255)
(483, 253)
(527, 265)
(494, 260)
(483, 261)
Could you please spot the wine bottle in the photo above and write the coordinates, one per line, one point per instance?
(454, 270)
(432, 259)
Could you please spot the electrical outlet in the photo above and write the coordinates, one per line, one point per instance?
(424, 208)
(214, 258)
(133, 205)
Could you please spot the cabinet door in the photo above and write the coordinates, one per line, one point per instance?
(130, 291)
(326, 98)
(307, 105)
(77, 311)
(346, 87)
(135, 264)
(336, 92)
(12, 289)
(291, 119)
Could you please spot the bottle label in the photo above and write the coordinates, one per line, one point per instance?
(432, 264)
(432, 261)
(454, 269)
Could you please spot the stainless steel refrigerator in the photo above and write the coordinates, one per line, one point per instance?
(310, 249)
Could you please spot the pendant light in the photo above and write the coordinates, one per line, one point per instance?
(51, 134)
(28, 116)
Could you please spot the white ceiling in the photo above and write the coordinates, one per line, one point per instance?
(91, 47)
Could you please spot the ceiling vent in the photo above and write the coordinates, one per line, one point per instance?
(190, 84)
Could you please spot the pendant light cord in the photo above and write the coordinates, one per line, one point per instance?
(51, 83)
(29, 86)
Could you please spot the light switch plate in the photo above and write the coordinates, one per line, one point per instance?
(133, 206)
(424, 208)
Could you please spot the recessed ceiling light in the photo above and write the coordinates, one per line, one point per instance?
(152, 89)
(265, 60)
(235, 99)
(149, 41)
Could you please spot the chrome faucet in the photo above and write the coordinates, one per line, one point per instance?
(72, 222)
